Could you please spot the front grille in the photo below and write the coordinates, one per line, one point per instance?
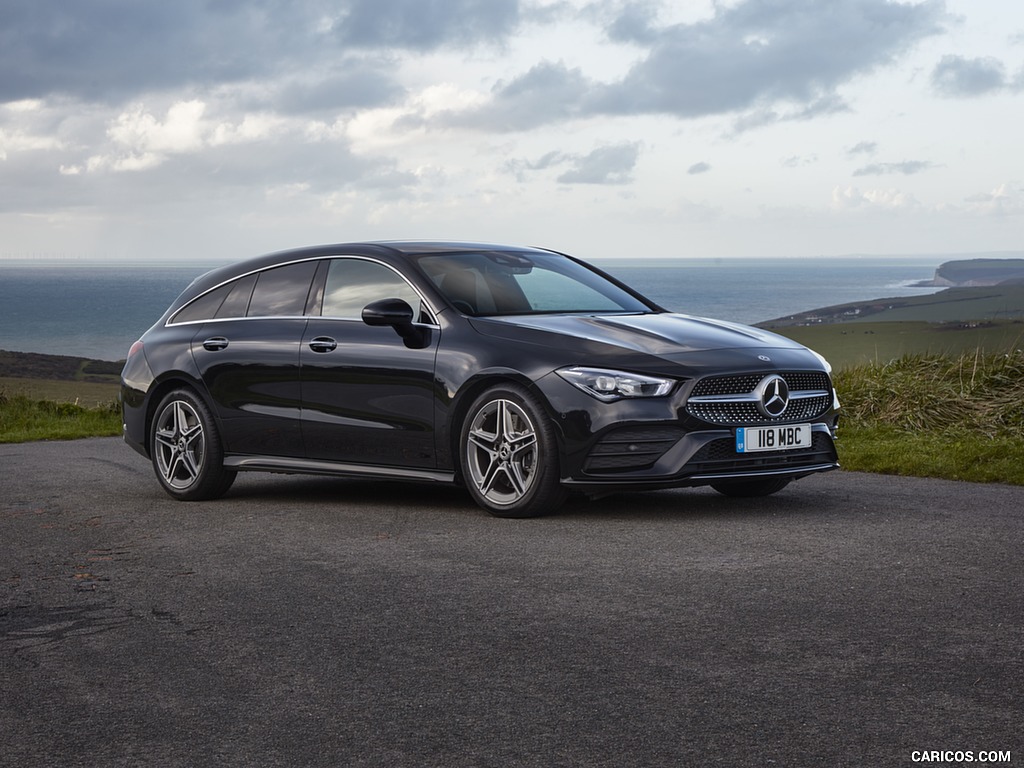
(732, 401)
(629, 449)
(745, 413)
(720, 457)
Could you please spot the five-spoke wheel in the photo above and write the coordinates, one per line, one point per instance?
(186, 449)
(509, 456)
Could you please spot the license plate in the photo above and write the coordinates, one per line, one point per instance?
(787, 438)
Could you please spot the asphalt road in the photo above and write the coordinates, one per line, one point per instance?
(851, 620)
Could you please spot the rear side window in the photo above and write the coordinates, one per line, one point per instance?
(282, 290)
(237, 301)
(203, 308)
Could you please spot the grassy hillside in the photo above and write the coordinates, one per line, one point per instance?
(59, 378)
(849, 344)
(953, 305)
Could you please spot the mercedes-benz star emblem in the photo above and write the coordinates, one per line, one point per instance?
(773, 396)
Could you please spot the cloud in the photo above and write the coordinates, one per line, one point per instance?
(850, 198)
(549, 92)
(863, 148)
(634, 23)
(798, 161)
(698, 168)
(353, 83)
(907, 168)
(745, 58)
(605, 165)
(424, 25)
(1001, 201)
(763, 51)
(113, 49)
(612, 164)
(959, 77)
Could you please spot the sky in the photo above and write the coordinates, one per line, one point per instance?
(219, 129)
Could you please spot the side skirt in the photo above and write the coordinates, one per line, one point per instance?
(241, 463)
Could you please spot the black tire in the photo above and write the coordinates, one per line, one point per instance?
(509, 454)
(751, 488)
(186, 449)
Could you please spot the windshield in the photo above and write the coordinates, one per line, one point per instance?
(511, 283)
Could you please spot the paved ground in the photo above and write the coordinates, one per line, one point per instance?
(852, 620)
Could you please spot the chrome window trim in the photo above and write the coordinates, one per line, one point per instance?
(171, 322)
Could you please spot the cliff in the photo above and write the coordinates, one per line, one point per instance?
(979, 272)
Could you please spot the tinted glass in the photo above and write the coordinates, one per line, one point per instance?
(508, 283)
(203, 308)
(282, 290)
(354, 283)
(237, 301)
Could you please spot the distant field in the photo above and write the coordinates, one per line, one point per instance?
(998, 303)
(846, 344)
(85, 393)
(59, 378)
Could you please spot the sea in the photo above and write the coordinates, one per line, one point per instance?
(96, 309)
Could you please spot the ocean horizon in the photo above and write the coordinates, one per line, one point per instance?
(97, 308)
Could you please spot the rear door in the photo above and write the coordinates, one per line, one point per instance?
(248, 355)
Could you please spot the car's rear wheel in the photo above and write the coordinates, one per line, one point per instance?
(510, 455)
(751, 488)
(186, 449)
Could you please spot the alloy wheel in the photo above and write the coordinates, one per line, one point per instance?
(502, 452)
(180, 444)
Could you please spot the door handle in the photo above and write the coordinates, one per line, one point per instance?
(323, 344)
(215, 343)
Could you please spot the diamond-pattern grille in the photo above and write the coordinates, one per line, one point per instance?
(743, 411)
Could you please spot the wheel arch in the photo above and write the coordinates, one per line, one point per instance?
(467, 395)
(160, 390)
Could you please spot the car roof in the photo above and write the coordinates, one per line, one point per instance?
(378, 248)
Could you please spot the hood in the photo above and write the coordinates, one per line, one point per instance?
(674, 338)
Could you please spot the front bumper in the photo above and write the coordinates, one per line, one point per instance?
(654, 443)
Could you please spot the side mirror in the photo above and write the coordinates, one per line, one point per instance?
(398, 314)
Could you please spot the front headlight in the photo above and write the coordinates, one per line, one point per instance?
(611, 385)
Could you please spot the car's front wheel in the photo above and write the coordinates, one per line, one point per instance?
(509, 454)
(186, 449)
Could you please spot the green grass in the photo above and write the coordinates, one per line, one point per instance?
(23, 419)
(958, 417)
(87, 393)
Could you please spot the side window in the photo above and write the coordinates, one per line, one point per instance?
(237, 301)
(354, 283)
(282, 290)
(203, 308)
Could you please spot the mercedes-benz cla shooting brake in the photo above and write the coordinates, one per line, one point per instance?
(522, 374)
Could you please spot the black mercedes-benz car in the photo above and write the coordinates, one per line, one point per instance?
(522, 374)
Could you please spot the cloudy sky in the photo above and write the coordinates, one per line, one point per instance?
(606, 128)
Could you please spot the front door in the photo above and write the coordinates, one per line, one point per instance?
(367, 398)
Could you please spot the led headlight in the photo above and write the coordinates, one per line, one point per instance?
(611, 385)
